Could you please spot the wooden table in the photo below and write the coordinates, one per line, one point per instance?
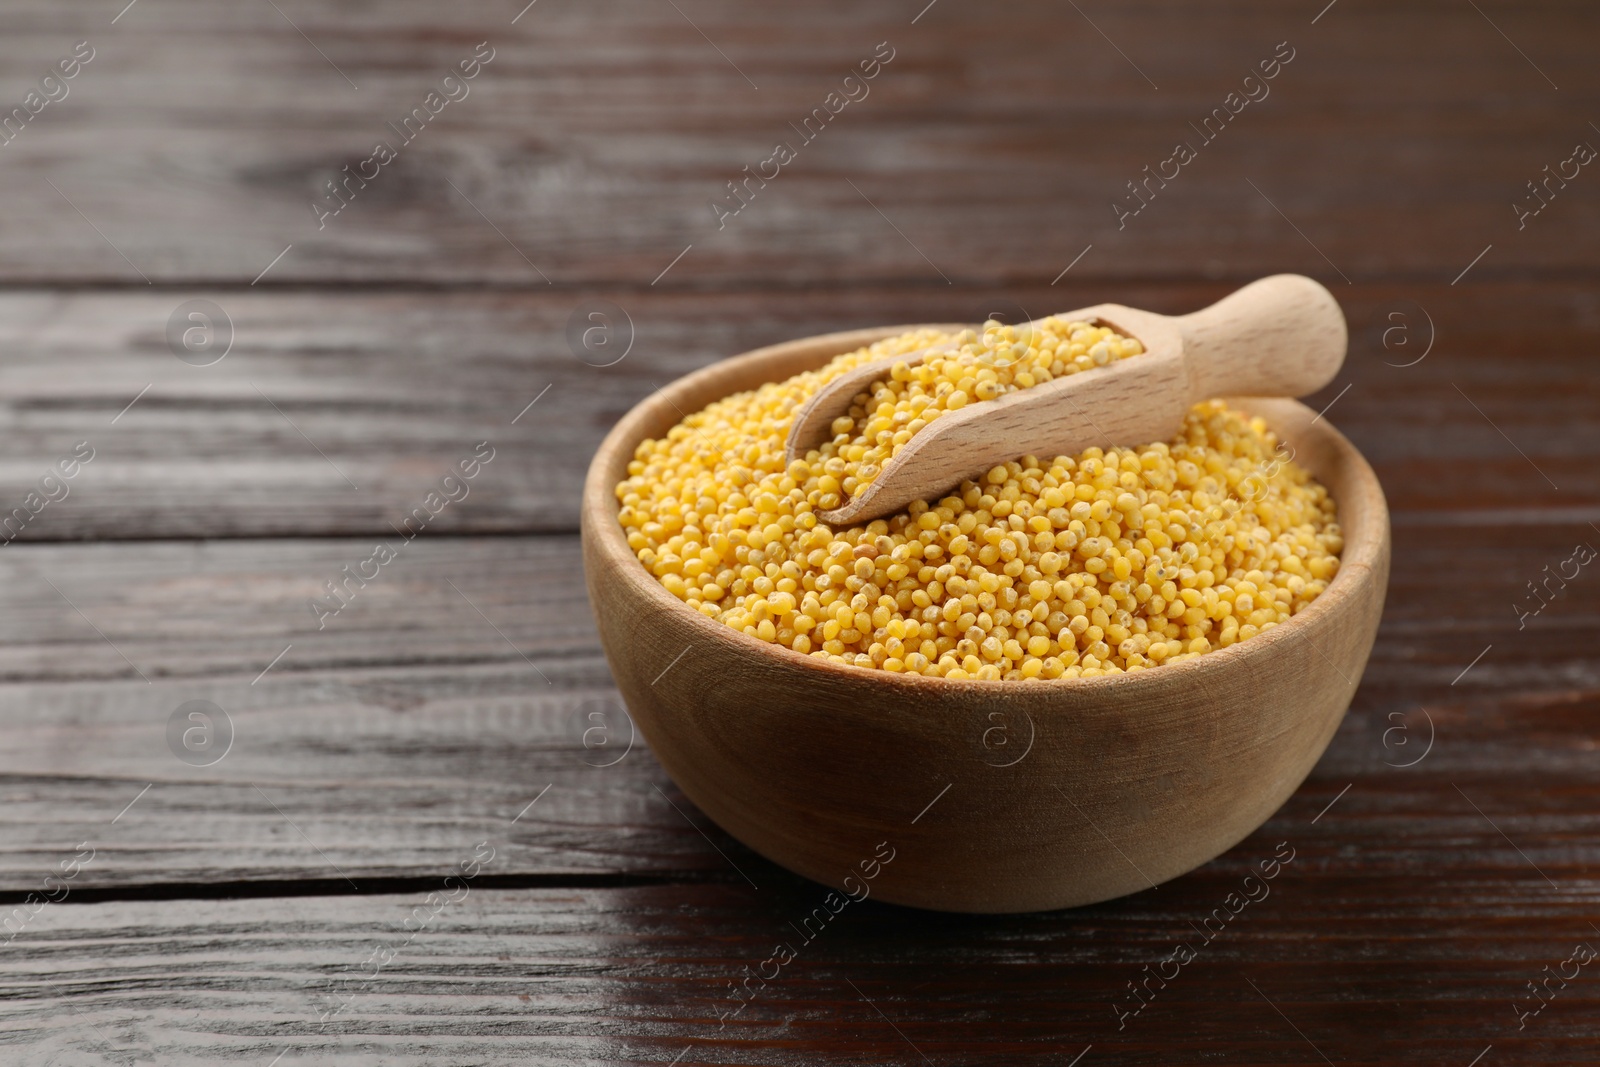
(287, 901)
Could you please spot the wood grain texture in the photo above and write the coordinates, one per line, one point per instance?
(445, 697)
(345, 781)
(171, 611)
(1394, 150)
(395, 388)
(996, 140)
(409, 724)
(1360, 969)
(224, 610)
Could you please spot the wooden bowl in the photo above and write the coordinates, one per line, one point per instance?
(984, 796)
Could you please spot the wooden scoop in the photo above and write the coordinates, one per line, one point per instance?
(1280, 336)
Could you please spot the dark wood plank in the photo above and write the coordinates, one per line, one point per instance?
(996, 140)
(395, 389)
(449, 693)
(1332, 966)
(340, 781)
(173, 612)
(1444, 846)
(411, 721)
(150, 612)
(447, 696)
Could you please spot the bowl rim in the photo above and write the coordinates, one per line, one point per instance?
(1358, 561)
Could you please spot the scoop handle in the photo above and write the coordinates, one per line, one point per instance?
(1281, 336)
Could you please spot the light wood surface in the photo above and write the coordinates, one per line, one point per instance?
(1124, 781)
(1278, 336)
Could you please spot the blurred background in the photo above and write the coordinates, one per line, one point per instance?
(193, 152)
(278, 265)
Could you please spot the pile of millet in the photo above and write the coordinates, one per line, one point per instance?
(971, 367)
(1063, 567)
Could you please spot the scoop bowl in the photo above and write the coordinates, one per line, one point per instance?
(987, 796)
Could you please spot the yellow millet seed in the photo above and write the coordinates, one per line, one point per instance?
(1076, 566)
(971, 367)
